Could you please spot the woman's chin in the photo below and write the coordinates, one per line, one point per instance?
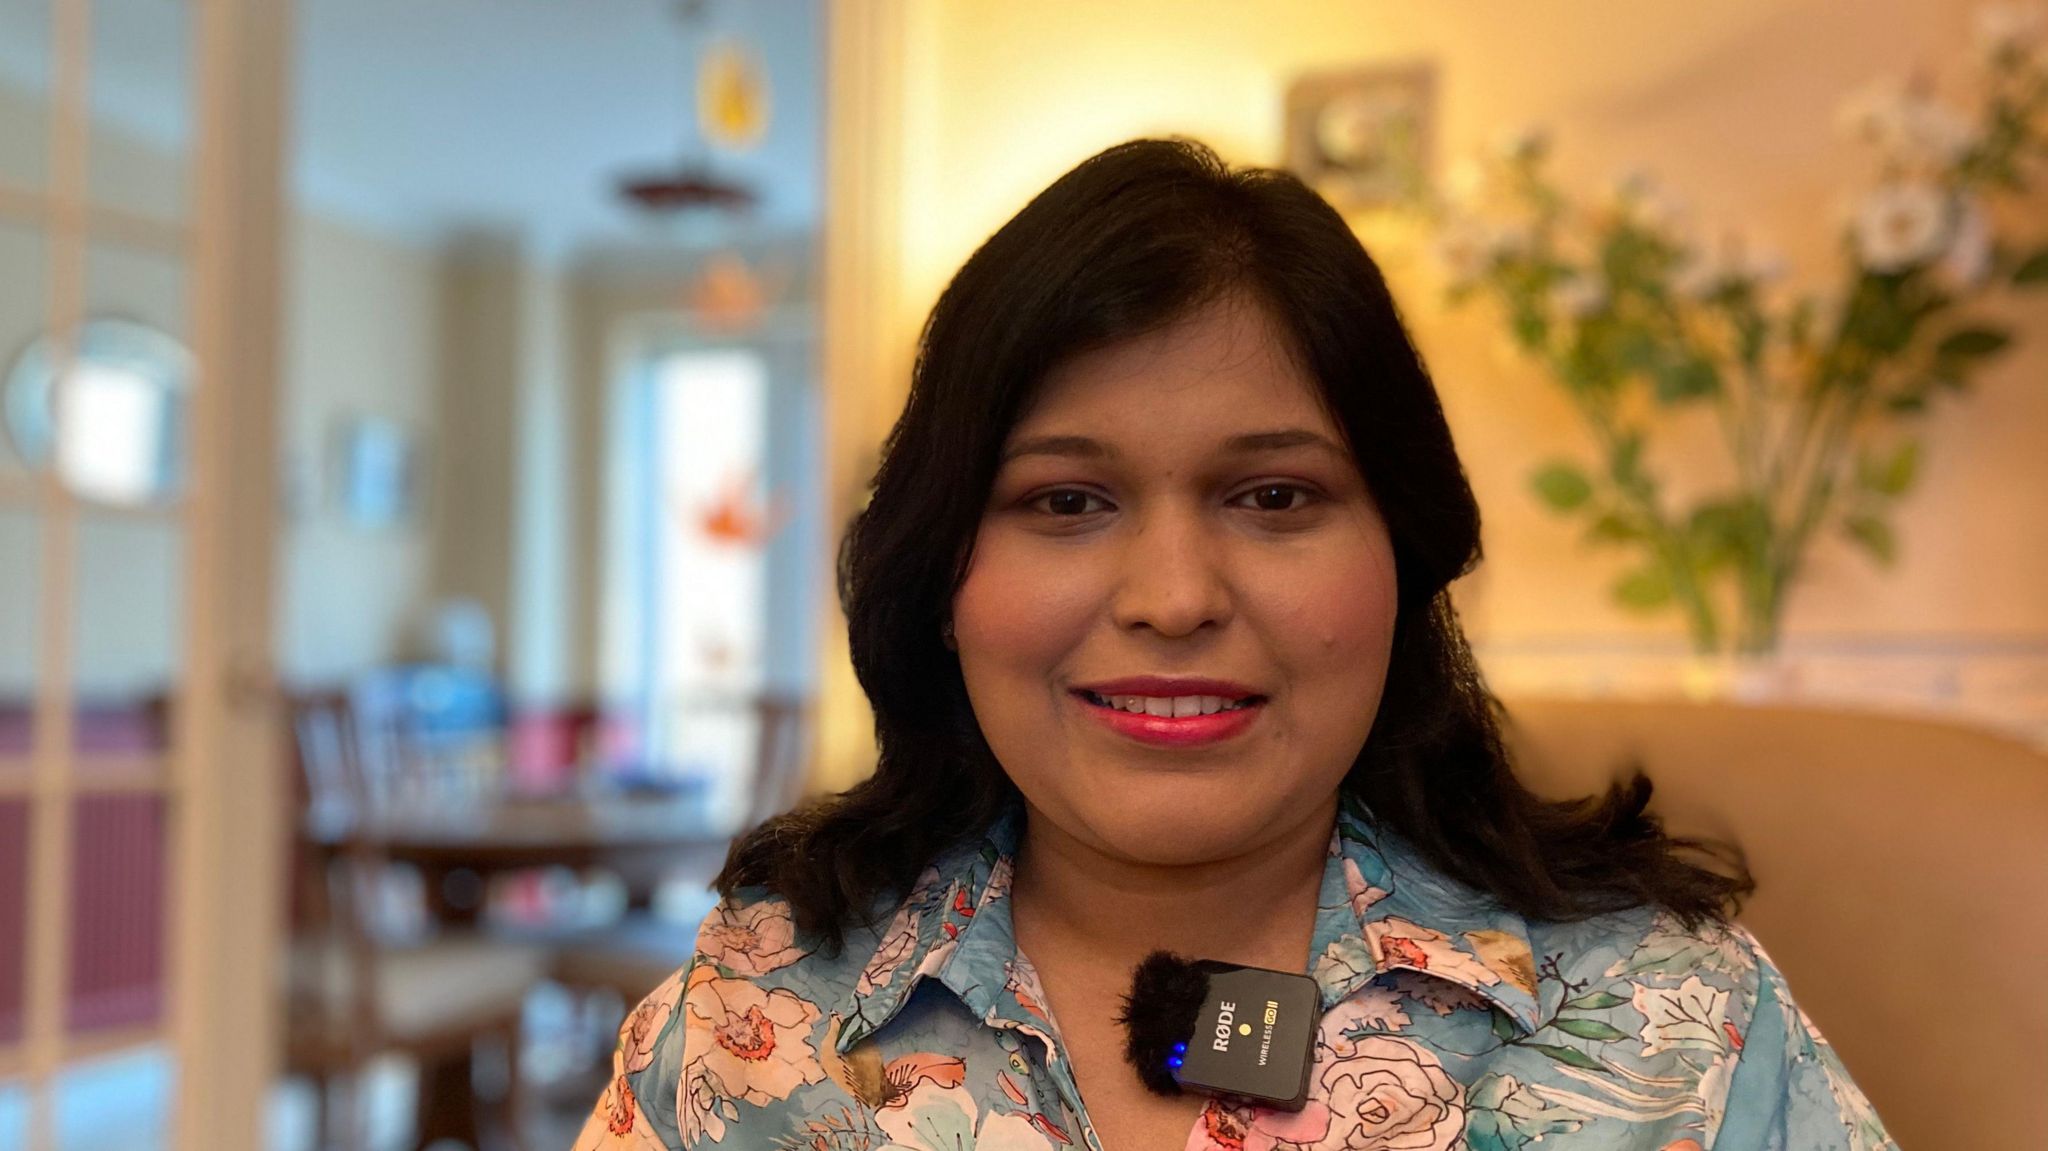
(1175, 830)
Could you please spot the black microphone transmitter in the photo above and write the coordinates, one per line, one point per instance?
(1221, 1029)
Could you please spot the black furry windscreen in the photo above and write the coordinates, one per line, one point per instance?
(1159, 1011)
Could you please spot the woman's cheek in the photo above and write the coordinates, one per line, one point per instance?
(1025, 607)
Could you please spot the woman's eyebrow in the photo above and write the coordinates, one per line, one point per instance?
(1250, 443)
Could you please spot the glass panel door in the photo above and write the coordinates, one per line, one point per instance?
(104, 527)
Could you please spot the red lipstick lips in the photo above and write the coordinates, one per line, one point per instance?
(1172, 731)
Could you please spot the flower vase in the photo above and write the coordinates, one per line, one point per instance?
(1753, 677)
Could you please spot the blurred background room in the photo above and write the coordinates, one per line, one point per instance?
(426, 427)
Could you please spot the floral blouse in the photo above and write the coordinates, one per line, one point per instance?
(1448, 1023)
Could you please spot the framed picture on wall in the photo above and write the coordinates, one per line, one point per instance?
(1364, 137)
(378, 472)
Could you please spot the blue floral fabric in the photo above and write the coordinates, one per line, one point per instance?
(1449, 1023)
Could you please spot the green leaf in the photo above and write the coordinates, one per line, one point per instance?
(1687, 379)
(1637, 350)
(1645, 589)
(1503, 1027)
(1874, 536)
(1908, 402)
(1972, 344)
(1612, 528)
(1892, 476)
(1715, 534)
(1626, 464)
(1568, 1055)
(2033, 270)
(1594, 1001)
(1562, 486)
(1589, 1029)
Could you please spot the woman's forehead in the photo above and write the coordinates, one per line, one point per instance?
(1219, 375)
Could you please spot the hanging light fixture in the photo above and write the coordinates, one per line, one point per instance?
(729, 110)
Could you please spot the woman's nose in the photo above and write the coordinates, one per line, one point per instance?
(1172, 577)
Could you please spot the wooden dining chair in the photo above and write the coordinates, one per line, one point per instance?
(367, 976)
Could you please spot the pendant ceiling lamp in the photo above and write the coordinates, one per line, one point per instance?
(730, 112)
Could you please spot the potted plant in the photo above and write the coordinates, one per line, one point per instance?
(1815, 396)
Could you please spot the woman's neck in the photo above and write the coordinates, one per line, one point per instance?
(1257, 907)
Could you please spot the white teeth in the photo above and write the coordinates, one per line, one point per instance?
(1171, 707)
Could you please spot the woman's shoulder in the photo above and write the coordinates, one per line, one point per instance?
(1650, 942)
(752, 1016)
(1651, 959)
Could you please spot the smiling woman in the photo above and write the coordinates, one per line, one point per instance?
(1151, 603)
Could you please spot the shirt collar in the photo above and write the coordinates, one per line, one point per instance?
(1381, 908)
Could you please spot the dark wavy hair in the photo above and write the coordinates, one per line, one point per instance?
(1135, 238)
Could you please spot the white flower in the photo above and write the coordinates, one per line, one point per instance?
(2006, 30)
(1901, 225)
(1731, 261)
(1578, 294)
(1908, 125)
(935, 1118)
(1689, 1016)
(1641, 201)
(1968, 259)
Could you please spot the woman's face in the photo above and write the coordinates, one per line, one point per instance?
(1178, 506)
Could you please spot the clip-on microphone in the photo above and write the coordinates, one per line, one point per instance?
(1221, 1029)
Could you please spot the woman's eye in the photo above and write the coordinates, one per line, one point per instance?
(1065, 503)
(1279, 497)
(1068, 503)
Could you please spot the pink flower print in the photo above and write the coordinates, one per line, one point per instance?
(751, 940)
(643, 1027)
(937, 1118)
(1396, 942)
(1405, 952)
(1241, 1127)
(756, 1042)
(1392, 1095)
(1224, 1126)
(902, 1076)
(897, 943)
(1021, 980)
(618, 1106)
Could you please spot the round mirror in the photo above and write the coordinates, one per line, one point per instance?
(124, 400)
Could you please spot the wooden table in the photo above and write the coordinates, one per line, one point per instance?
(639, 838)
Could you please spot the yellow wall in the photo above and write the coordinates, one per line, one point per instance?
(1732, 103)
